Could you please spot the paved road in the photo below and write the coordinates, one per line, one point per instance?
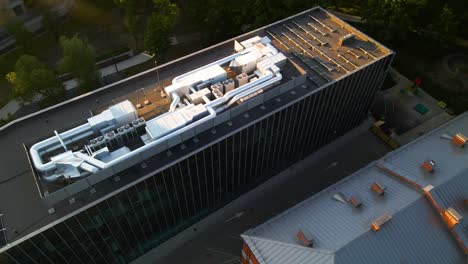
(222, 244)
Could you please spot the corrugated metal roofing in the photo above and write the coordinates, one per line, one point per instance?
(274, 252)
(416, 233)
(332, 223)
(450, 160)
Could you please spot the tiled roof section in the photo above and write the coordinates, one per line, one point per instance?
(334, 224)
(414, 235)
(274, 252)
(451, 160)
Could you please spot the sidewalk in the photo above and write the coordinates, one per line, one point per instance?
(13, 106)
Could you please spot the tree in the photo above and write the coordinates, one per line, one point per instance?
(24, 37)
(389, 20)
(32, 78)
(133, 18)
(159, 26)
(444, 28)
(52, 22)
(79, 60)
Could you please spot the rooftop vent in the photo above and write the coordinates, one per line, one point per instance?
(340, 198)
(354, 201)
(428, 166)
(346, 39)
(452, 217)
(378, 223)
(305, 238)
(459, 140)
(378, 188)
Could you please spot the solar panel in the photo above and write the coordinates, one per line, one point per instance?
(3, 240)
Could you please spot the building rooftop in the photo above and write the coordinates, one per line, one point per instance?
(27, 199)
(339, 219)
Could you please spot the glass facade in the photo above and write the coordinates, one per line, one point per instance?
(124, 226)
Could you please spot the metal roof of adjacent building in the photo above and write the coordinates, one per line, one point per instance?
(415, 234)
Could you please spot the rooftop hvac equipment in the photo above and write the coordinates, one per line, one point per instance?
(197, 97)
(111, 137)
(139, 125)
(194, 113)
(116, 115)
(245, 63)
(242, 79)
(209, 75)
(346, 39)
(380, 221)
(305, 238)
(171, 121)
(218, 86)
(252, 41)
(96, 143)
(217, 94)
(229, 85)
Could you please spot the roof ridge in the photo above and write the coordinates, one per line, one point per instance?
(324, 251)
(313, 196)
(425, 136)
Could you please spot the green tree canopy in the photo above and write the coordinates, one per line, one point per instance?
(398, 21)
(32, 78)
(221, 19)
(52, 22)
(159, 26)
(79, 60)
(24, 37)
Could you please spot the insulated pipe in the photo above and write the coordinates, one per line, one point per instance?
(160, 140)
(95, 162)
(278, 77)
(175, 101)
(212, 114)
(38, 147)
(50, 178)
(67, 141)
(218, 62)
(238, 90)
(60, 139)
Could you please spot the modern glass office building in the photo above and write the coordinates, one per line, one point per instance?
(325, 92)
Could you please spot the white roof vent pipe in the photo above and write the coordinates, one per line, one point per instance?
(75, 133)
(60, 139)
(175, 101)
